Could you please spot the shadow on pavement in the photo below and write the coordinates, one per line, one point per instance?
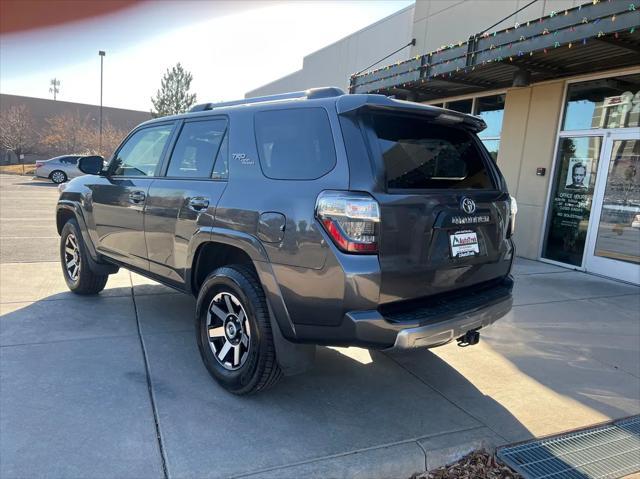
(43, 183)
(73, 368)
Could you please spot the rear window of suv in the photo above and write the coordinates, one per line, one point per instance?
(419, 154)
(295, 144)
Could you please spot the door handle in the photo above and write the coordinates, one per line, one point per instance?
(198, 203)
(137, 197)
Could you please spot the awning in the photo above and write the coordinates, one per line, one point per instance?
(596, 36)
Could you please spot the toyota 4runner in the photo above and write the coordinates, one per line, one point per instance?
(301, 219)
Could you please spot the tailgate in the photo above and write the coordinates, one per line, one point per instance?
(444, 208)
(416, 253)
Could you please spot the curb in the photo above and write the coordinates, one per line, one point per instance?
(397, 461)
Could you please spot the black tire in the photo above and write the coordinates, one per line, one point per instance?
(260, 369)
(58, 176)
(84, 281)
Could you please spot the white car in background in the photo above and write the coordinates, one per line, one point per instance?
(58, 169)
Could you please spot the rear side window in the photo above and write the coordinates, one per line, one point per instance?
(196, 149)
(295, 144)
(69, 160)
(419, 154)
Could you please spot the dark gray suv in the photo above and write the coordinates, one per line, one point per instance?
(301, 219)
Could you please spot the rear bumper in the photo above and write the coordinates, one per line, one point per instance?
(434, 321)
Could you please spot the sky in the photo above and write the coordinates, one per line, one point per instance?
(229, 47)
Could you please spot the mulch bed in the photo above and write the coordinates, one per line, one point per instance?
(477, 465)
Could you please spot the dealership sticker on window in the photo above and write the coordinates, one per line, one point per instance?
(463, 244)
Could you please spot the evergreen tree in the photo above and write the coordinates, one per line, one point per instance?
(173, 97)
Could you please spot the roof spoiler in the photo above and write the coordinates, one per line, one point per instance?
(349, 104)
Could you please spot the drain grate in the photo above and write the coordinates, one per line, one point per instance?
(609, 451)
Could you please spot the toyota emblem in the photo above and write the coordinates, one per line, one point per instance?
(468, 205)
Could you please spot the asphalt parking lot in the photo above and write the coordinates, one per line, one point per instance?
(112, 385)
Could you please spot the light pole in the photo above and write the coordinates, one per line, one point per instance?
(101, 53)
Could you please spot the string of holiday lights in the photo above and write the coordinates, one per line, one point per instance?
(501, 52)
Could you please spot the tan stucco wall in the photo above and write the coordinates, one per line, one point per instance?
(528, 139)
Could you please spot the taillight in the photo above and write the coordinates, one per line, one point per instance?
(39, 164)
(351, 220)
(513, 211)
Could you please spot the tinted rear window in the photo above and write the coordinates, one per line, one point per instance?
(295, 144)
(196, 149)
(419, 154)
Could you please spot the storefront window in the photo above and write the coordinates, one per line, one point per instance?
(619, 226)
(607, 103)
(463, 106)
(571, 198)
(491, 110)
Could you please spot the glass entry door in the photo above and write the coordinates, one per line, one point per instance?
(613, 240)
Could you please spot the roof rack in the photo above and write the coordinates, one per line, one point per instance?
(311, 94)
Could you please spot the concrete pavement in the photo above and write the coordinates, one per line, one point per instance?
(112, 386)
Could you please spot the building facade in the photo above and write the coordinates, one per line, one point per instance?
(558, 85)
(334, 64)
(41, 109)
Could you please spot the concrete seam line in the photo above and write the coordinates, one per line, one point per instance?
(112, 296)
(32, 301)
(331, 456)
(425, 455)
(546, 272)
(453, 431)
(150, 387)
(446, 398)
(176, 331)
(96, 338)
(30, 262)
(571, 300)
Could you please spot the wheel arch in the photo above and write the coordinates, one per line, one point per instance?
(66, 210)
(226, 248)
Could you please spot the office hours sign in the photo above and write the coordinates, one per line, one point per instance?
(571, 200)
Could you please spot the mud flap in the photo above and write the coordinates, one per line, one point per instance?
(293, 358)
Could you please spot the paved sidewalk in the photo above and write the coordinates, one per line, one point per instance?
(112, 386)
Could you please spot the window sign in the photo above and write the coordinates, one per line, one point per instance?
(571, 199)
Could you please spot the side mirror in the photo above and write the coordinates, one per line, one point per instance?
(91, 165)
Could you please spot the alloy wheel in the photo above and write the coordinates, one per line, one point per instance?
(57, 177)
(228, 331)
(72, 257)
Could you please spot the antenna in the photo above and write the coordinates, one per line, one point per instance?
(55, 88)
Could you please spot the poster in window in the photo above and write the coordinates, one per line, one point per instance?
(578, 174)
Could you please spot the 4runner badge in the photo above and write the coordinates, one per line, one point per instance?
(468, 205)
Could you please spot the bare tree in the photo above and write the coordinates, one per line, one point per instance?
(89, 139)
(63, 133)
(69, 133)
(16, 131)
